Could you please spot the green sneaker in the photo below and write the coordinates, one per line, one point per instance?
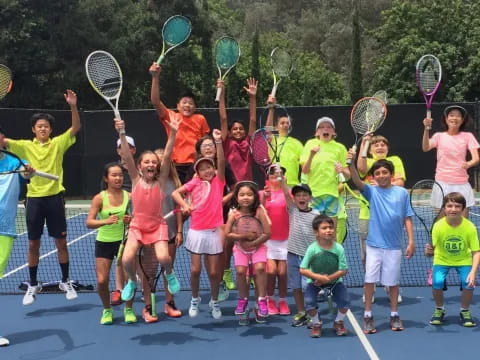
(299, 319)
(466, 318)
(129, 315)
(223, 292)
(227, 278)
(437, 317)
(107, 317)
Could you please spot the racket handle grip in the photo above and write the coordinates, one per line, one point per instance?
(160, 59)
(349, 161)
(366, 145)
(153, 301)
(118, 261)
(46, 175)
(274, 90)
(219, 92)
(170, 214)
(341, 178)
(429, 116)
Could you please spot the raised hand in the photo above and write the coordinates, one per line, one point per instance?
(119, 125)
(251, 89)
(155, 69)
(70, 97)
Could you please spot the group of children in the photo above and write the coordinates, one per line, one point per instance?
(297, 219)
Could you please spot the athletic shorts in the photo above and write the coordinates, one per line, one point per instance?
(106, 250)
(326, 204)
(339, 296)
(277, 249)
(464, 189)
(383, 265)
(295, 280)
(241, 258)
(49, 210)
(6, 243)
(440, 272)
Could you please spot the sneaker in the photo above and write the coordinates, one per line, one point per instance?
(259, 319)
(437, 317)
(147, 315)
(369, 325)
(193, 310)
(4, 341)
(395, 323)
(129, 315)
(242, 306)
(227, 278)
(283, 308)
(309, 323)
(262, 308)
(107, 317)
(128, 290)
(116, 297)
(316, 331)
(299, 319)
(31, 294)
(272, 307)
(466, 318)
(339, 328)
(171, 310)
(69, 289)
(173, 283)
(215, 309)
(223, 292)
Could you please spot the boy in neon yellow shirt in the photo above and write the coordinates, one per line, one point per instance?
(44, 196)
(454, 246)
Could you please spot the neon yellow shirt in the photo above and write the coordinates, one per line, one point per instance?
(454, 245)
(47, 157)
(322, 178)
(290, 150)
(364, 213)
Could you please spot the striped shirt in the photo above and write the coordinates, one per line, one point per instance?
(301, 233)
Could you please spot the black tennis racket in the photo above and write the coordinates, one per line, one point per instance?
(150, 268)
(326, 263)
(21, 168)
(126, 225)
(5, 81)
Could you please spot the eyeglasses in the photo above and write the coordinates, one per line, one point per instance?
(207, 145)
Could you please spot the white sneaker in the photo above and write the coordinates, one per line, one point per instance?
(68, 288)
(4, 341)
(215, 309)
(194, 303)
(32, 291)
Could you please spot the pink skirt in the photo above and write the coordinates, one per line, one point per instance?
(151, 237)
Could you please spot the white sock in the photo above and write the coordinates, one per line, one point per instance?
(340, 316)
(367, 314)
(394, 313)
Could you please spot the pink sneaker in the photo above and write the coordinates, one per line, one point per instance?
(262, 308)
(283, 307)
(272, 307)
(241, 306)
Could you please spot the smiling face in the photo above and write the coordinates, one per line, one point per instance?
(237, 131)
(208, 149)
(383, 177)
(453, 210)
(379, 150)
(205, 170)
(325, 131)
(283, 125)
(454, 120)
(149, 166)
(186, 106)
(114, 178)
(42, 130)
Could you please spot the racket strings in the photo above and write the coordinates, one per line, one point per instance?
(429, 74)
(368, 115)
(227, 52)
(5, 80)
(259, 149)
(176, 30)
(282, 62)
(105, 74)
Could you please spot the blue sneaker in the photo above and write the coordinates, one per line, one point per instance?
(129, 290)
(173, 283)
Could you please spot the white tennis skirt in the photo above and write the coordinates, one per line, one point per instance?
(204, 241)
(464, 189)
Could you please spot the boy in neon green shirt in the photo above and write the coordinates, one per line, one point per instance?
(455, 245)
(44, 196)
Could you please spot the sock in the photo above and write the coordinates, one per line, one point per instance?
(463, 309)
(64, 268)
(33, 275)
(394, 313)
(442, 308)
(315, 319)
(340, 317)
(281, 299)
(260, 298)
(367, 314)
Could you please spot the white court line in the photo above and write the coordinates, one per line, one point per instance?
(361, 336)
(49, 253)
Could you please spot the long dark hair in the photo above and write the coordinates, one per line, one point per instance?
(106, 170)
(256, 198)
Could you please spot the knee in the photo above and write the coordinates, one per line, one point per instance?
(102, 281)
(34, 245)
(241, 271)
(195, 272)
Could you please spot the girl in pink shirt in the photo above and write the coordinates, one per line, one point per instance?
(205, 233)
(147, 228)
(273, 199)
(452, 146)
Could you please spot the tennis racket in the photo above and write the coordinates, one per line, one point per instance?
(227, 53)
(381, 95)
(150, 268)
(366, 117)
(5, 81)
(195, 199)
(176, 30)
(128, 211)
(421, 196)
(105, 76)
(20, 168)
(326, 263)
(429, 75)
(282, 66)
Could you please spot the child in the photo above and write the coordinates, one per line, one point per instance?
(390, 211)
(452, 145)
(300, 236)
(246, 201)
(455, 246)
(193, 126)
(110, 207)
(324, 229)
(205, 234)
(274, 201)
(378, 149)
(45, 201)
(148, 226)
(10, 186)
(320, 159)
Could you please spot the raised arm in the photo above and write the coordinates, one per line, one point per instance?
(217, 136)
(251, 89)
(271, 102)
(313, 151)
(125, 153)
(286, 192)
(222, 110)
(353, 170)
(427, 123)
(165, 166)
(362, 161)
(71, 99)
(155, 92)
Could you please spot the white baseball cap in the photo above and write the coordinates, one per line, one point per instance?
(325, 119)
(130, 141)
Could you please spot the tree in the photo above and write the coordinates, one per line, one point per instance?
(356, 88)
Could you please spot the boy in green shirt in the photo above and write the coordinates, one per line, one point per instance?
(454, 246)
(44, 196)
